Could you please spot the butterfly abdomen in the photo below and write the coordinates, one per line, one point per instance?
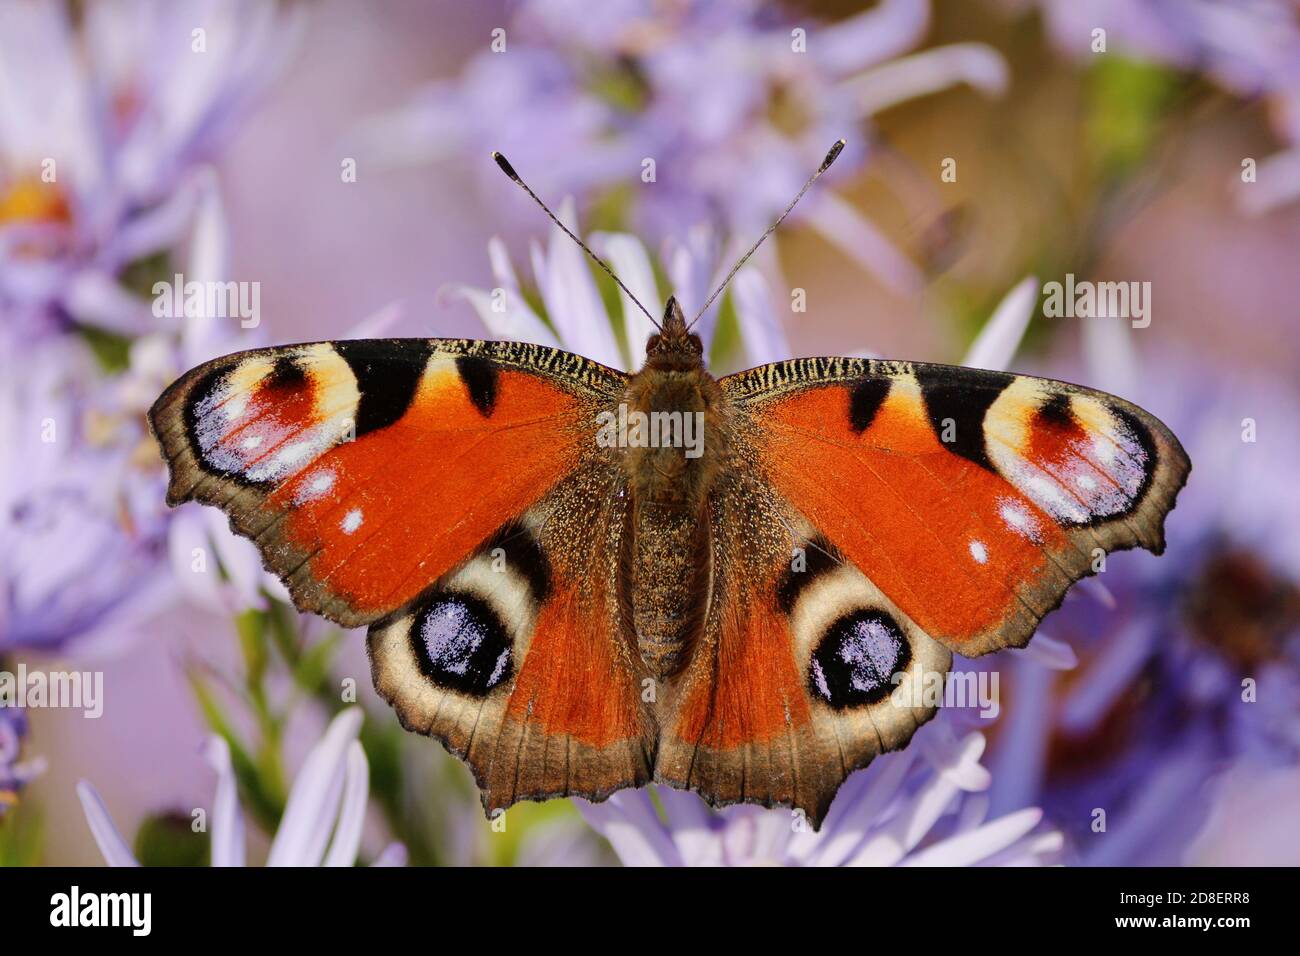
(670, 467)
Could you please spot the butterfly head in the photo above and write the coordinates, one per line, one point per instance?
(673, 345)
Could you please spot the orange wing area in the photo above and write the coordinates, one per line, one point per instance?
(520, 660)
(754, 694)
(573, 682)
(972, 499)
(366, 470)
(777, 705)
(411, 500)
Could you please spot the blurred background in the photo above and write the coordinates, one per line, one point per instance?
(336, 154)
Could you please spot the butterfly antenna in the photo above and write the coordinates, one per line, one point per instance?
(510, 171)
(826, 164)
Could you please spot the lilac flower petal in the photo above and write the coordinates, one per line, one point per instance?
(869, 792)
(1098, 590)
(1037, 849)
(1050, 653)
(691, 824)
(378, 324)
(886, 30)
(312, 808)
(352, 815)
(760, 332)
(972, 846)
(96, 298)
(957, 760)
(159, 228)
(892, 840)
(572, 299)
(997, 342)
(392, 855)
(112, 845)
(1163, 797)
(1107, 677)
(517, 323)
(629, 822)
(690, 267)
(240, 561)
(628, 258)
(227, 818)
(929, 71)
(1110, 355)
(1017, 765)
(851, 232)
(1277, 183)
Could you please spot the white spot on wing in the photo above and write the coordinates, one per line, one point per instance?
(351, 521)
(979, 552)
(315, 486)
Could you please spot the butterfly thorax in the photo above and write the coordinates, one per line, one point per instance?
(670, 465)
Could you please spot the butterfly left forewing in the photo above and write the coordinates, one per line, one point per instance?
(364, 470)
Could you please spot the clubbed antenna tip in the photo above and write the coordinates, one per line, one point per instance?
(826, 163)
(510, 170)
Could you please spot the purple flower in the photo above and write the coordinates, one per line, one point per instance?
(103, 122)
(81, 515)
(1192, 665)
(924, 806)
(82, 495)
(716, 112)
(576, 318)
(14, 773)
(322, 822)
(1250, 48)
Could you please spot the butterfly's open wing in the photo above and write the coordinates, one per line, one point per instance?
(364, 470)
(973, 499)
(419, 486)
(876, 516)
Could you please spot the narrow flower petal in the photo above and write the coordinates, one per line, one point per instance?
(1110, 355)
(227, 819)
(859, 805)
(112, 845)
(629, 822)
(511, 321)
(573, 302)
(1051, 653)
(377, 324)
(855, 235)
(972, 846)
(630, 262)
(958, 760)
(930, 71)
(392, 855)
(692, 826)
(760, 333)
(1108, 676)
(1277, 183)
(312, 806)
(885, 30)
(1098, 590)
(352, 815)
(997, 342)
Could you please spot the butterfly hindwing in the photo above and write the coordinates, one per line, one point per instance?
(804, 670)
(365, 470)
(972, 499)
(520, 659)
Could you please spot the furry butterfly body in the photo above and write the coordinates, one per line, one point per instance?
(572, 616)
